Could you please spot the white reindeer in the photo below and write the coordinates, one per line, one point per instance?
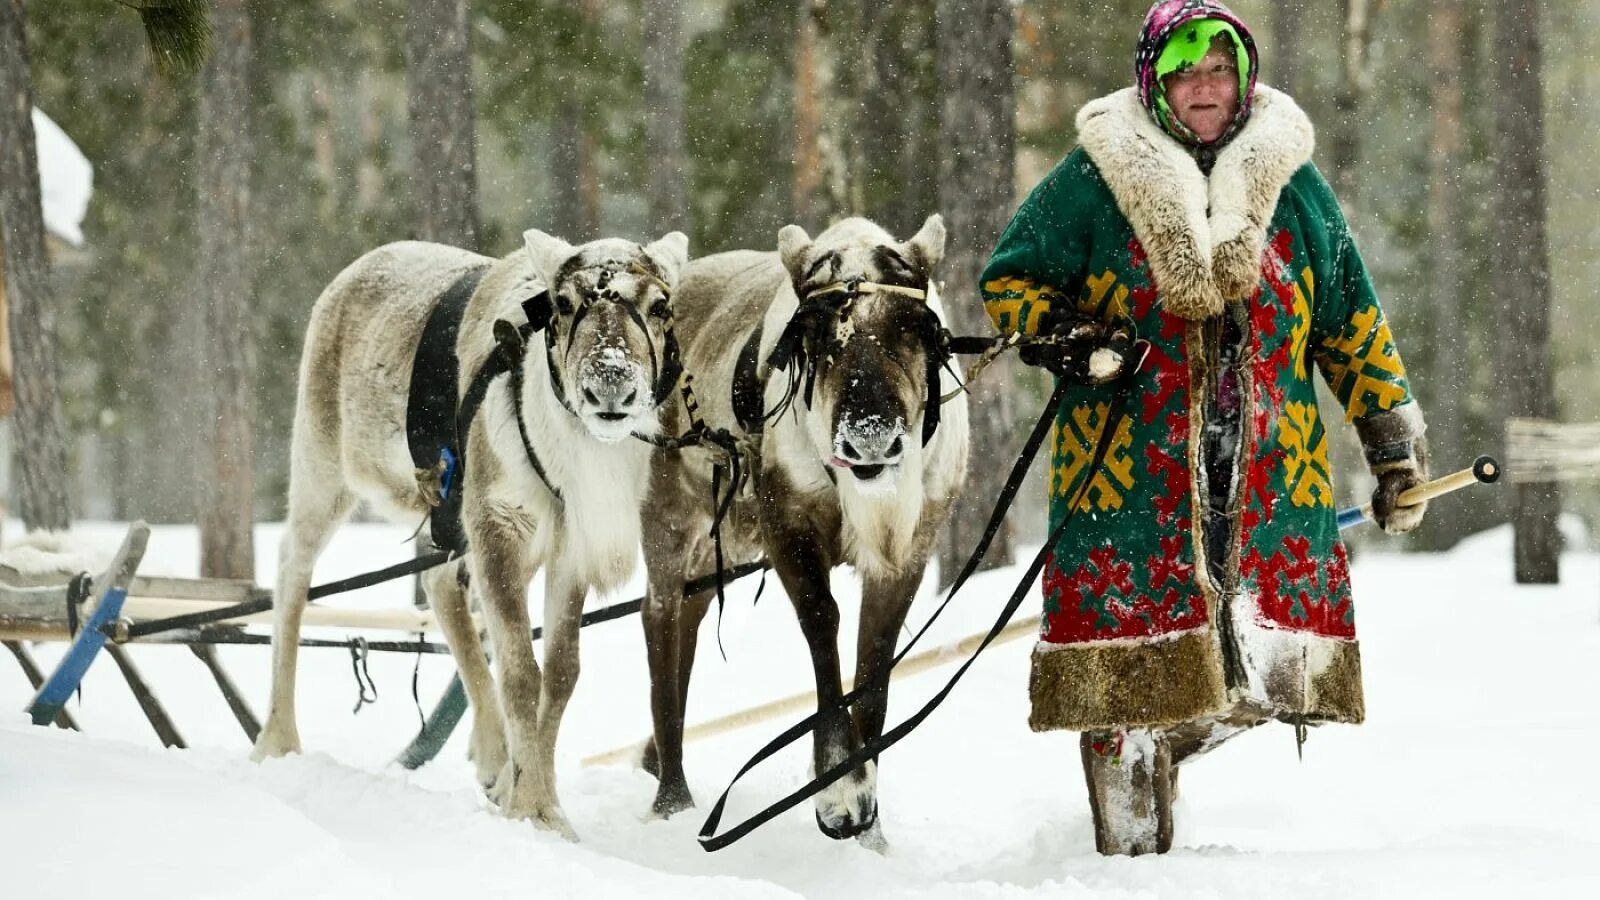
(605, 344)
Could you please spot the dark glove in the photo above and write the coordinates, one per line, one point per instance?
(1394, 479)
(1079, 347)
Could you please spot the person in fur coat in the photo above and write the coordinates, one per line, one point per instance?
(1202, 587)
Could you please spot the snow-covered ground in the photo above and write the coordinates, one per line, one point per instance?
(1473, 776)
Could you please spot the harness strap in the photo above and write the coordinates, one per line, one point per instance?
(711, 841)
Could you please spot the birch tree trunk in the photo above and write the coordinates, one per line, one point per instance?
(667, 161)
(976, 194)
(41, 446)
(1522, 284)
(443, 125)
(225, 292)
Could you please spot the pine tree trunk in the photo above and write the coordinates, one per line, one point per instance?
(8, 400)
(1344, 144)
(1523, 272)
(1282, 68)
(41, 445)
(808, 203)
(443, 129)
(976, 194)
(576, 216)
(1446, 382)
(224, 290)
(668, 162)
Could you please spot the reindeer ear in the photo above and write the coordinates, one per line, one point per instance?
(927, 245)
(793, 242)
(670, 254)
(548, 253)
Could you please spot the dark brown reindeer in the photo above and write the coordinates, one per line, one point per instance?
(834, 344)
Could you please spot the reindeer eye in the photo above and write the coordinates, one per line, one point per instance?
(661, 309)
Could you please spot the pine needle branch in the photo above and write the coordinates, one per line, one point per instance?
(179, 33)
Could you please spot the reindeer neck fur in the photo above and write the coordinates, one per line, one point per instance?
(879, 525)
(596, 522)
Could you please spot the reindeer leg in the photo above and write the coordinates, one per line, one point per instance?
(885, 600)
(846, 808)
(318, 502)
(502, 568)
(563, 611)
(448, 595)
(672, 624)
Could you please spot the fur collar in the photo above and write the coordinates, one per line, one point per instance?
(1204, 236)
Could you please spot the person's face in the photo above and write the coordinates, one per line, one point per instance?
(1205, 96)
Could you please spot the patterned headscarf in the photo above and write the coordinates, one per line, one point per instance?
(1166, 19)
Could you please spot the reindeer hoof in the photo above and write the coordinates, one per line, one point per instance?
(873, 838)
(671, 800)
(272, 743)
(847, 826)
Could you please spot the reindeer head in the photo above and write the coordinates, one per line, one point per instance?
(863, 348)
(612, 359)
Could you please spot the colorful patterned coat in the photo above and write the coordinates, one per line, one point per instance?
(1127, 226)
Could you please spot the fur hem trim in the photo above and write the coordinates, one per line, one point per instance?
(1203, 236)
(1111, 684)
(1318, 679)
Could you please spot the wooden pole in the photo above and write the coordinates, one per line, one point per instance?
(807, 700)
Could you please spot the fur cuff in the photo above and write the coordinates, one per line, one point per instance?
(1111, 684)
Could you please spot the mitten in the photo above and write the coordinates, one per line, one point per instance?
(1079, 347)
(1395, 477)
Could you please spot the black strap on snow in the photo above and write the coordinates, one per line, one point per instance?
(711, 841)
(431, 404)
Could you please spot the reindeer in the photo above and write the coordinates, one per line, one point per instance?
(826, 356)
(556, 480)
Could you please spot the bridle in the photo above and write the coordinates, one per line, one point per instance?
(819, 328)
(666, 367)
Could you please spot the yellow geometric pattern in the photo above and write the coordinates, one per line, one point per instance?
(1017, 304)
(1362, 365)
(1306, 474)
(1074, 448)
(1301, 330)
(1101, 301)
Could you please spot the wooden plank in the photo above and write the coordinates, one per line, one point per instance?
(223, 590)
(407, 619)
(153, 710)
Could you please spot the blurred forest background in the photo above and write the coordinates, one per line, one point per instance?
(789, 111)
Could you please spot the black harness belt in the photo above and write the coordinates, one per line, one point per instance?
(431, 408)
(749, 403)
